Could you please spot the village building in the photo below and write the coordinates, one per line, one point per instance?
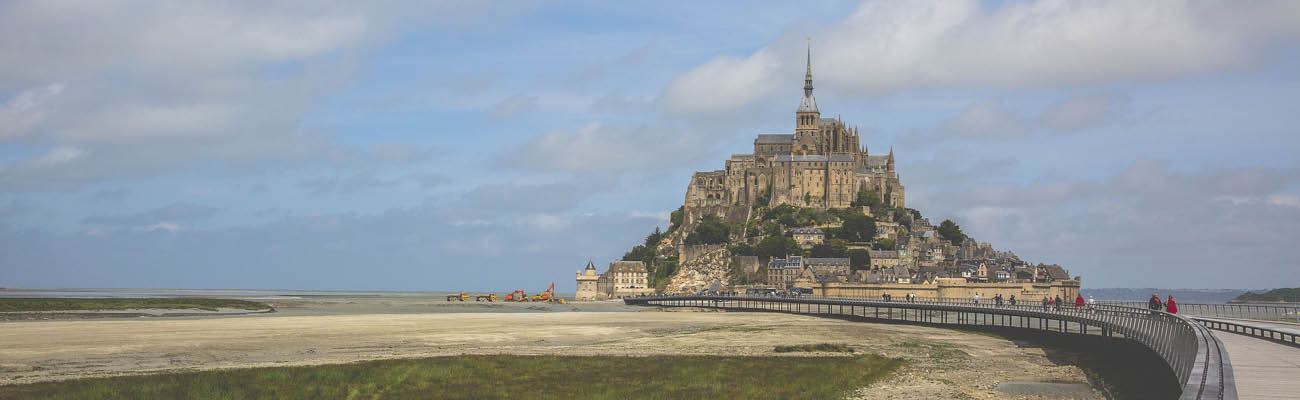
(807, 237)
(881, 259)
(624, 279)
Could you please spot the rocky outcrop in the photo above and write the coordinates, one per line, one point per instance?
(710, 270)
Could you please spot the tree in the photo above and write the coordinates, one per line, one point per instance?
(653, 239)
(777, 246)
(839, 248)
(949, 231)
(675, 219)
(821, 251)
(710, 230)
(883, 244)
(867, 197)
(858, 228)
(742, 249)
(859, 259)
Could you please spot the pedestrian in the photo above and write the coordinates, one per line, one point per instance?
(1092, 305)
(1154, 304)
(1045, 301)
(977, 298)
(998, 299)
(1058, 302)
(1078, 301)
(1171, 306)
(1013, 300)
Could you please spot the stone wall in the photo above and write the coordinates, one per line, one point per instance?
(748, 264)
(688, 253)
(953, 288)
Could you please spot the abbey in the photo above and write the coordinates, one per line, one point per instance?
(820, 165)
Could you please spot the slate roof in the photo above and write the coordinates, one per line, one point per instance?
(827, 261)
(808, 231)
(775, 138)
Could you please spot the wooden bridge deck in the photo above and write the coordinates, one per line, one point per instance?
(1263, 369)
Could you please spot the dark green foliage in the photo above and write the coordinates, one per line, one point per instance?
(1290, 295)
(949, 231)
(821, 251)
(823, 347)
(777, 246)
(663, 272)
(839, 248)
(859, 259)
(858, 228)
(743, 249)
(762, 201)
(916, 215)
(50, 304)
(675, 219)
(883, 244)
(710, 230)
(652, 240)
(498, 377)
(867, 197)
(772, 229)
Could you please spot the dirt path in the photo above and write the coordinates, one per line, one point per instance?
(943, 363)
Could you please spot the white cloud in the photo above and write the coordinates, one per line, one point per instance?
(600, 147)
(25, 111)
(888, 46)
(163, 226)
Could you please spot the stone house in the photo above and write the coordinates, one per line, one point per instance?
(807, 237)
(624, 279)
(783, 271)
(883, 259)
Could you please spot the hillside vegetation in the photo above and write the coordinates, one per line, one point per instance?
(1291, 295)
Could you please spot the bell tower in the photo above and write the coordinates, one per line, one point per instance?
(807, 117)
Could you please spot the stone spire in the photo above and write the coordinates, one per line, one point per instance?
(809, 103)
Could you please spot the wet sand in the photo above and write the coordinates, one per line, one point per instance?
(942, 363)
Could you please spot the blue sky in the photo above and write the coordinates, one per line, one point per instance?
(501, 145)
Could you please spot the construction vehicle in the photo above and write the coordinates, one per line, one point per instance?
(517, 296)
(490, 297)
(549, 295)
(461, 296)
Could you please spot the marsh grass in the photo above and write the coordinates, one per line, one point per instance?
(822, 347)
(939, 351)
(58, 304)
(500, 377)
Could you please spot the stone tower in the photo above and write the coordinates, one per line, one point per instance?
(587, 283)
(807, 117)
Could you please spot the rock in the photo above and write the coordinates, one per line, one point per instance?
(711, 270)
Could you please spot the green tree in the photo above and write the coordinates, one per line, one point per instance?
(653, 239)
(675, 219)
(777, 246)
(859, 259)
(867, 197)
(951, 232)
(821, 251)
(710, 230)
(858, 228)
(743, 249)
(883, 244)
(839, 248)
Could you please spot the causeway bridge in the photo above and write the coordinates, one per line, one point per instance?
(1207, 364)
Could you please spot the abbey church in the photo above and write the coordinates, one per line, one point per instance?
(820, 165)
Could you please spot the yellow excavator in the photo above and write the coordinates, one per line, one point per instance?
(489, 297)
(549, 295)
(460, 296)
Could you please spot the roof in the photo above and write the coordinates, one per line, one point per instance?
(627, 266)
(775, 138)
(810, 231)
(884, 254)
(813, 157)
(808, 104)
(590, 265)
(877, 161)
(827, 261)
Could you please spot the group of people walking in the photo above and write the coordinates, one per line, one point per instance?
(1169, 305)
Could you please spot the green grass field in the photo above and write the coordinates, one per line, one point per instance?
(499, 377)
(819, 347)
(52, 304)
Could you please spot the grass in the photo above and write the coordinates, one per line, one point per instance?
(498, 377)
(824, 347)
(938, 351)
(56, 304)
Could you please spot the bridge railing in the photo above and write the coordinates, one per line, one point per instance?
(1194, 356)
(1263, 312)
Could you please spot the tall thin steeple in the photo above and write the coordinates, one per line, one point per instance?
(809, 103)
(807, 76)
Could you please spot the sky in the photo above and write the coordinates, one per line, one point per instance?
(500, 145)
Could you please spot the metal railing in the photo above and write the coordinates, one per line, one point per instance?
(1263, 312)
(1194, 356)
(1281, 335)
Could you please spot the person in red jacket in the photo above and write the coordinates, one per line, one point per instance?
(1171, 306)
(1078, 301)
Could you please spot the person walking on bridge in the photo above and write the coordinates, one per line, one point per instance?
(977, 298)
(1092, 305)
(1012, 300)
(1057, 302)
(1154, 304)
(1078, 301)
(1171, 306)
(1045, 302)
